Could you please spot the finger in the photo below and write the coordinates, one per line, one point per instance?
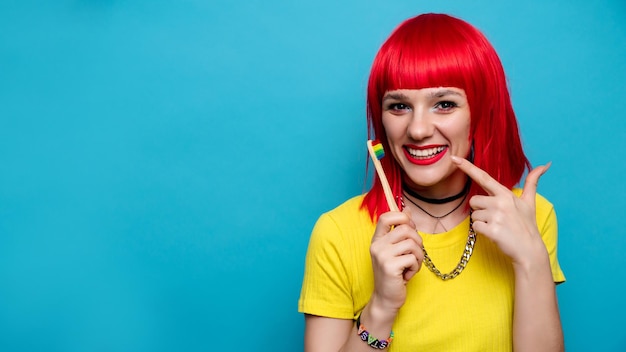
(480, 215)
(403, 232)
(488, 183)
(415, 251)
(412, 263)
(480, 202)
(411, 271)
(388, 220)
(393, 218)
(481, 227)
(407, 211)
(530, 185)
(406, 246)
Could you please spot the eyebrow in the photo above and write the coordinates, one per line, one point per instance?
(395, 96)
(442, 93)
(436, 94)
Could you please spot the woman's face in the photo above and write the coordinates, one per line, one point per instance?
(424, 128)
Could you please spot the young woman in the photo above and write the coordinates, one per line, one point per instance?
(470, 263)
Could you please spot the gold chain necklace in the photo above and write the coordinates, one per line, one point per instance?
(467, 254)
(465, 257)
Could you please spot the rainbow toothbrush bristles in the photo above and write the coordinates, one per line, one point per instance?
(378, 150)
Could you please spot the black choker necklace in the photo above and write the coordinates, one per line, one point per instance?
(412, 193)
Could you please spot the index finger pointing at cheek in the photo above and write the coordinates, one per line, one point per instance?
(487, 182)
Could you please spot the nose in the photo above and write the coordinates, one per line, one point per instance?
(421, 125)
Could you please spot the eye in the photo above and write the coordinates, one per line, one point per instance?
(397, 107)
(445, 105)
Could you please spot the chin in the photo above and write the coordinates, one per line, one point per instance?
(427, 179)
(423, 182)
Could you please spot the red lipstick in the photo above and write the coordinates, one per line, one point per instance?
(425, 160)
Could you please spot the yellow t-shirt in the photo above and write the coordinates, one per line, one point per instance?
(472, 312)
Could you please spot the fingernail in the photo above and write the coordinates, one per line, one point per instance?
(456, 159)
(546, 167)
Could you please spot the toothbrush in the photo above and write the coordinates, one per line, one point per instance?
(377, 152)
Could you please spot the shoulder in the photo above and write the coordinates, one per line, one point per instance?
(348, 211)
(338, 247)
(347, 218)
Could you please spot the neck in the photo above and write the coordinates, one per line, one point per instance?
(450, 216)
(443, 200)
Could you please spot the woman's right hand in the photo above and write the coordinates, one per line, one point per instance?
(397, 255)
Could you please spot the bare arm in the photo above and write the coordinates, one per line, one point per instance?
(510, 222)
(324, 334)
(396, 252)
(536, 321)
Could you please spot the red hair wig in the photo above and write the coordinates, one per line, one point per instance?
(437, 50)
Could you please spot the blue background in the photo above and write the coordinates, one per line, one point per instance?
(163, 162)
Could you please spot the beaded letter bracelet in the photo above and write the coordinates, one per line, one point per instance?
(371, 340)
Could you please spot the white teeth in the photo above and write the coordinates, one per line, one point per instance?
(425, 153)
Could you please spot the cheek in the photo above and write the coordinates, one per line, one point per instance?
(466, 133)
(393, 129)
(466, 142)
(385, 124)
(459, 134)
(464, 137)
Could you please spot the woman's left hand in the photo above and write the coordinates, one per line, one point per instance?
(509, 221)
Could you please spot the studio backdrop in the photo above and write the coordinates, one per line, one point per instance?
(162, 163)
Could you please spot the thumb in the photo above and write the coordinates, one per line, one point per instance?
(530, 185)
(407, 211)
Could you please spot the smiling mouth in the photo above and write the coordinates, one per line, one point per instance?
(427, 153)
